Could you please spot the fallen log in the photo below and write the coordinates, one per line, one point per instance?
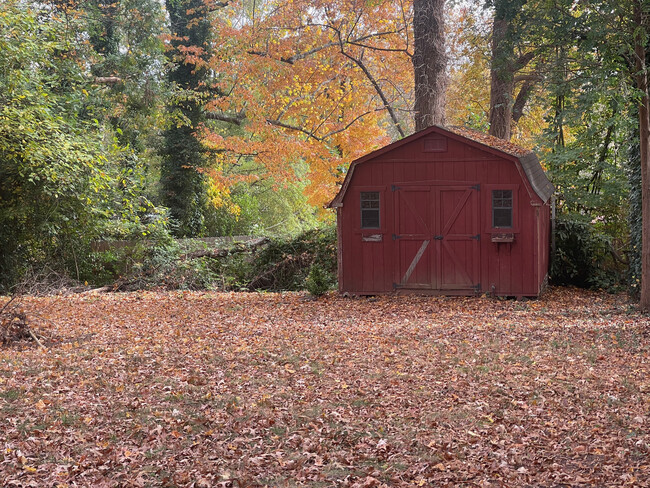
(240, 247)
(102, 289)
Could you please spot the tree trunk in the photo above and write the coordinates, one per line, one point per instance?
(429, 62)
(644, 141)
(502, 85)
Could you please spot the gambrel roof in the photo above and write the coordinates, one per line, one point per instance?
(526, 158)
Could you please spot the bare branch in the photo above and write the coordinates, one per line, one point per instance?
(299, 56)
(349, 124)
(380, 92)
(8, 303)
(107, 80)
(284, 125)
(382, 49)
(523, 60)
(232, 119)
(355, 42)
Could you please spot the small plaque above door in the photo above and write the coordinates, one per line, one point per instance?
(371, 238)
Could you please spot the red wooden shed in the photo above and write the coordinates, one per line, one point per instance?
(447, 211)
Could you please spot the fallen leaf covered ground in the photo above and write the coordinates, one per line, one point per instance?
(246, 389)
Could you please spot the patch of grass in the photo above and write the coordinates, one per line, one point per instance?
(278, 430)
(397, 466)
(334, 472)
(11, 395)
(591, 355)
(155, 452)
(68, 419)
(361, 402)
(520, 359)
(560, 344)
(317, 368)
(176, 397)
(628, 340)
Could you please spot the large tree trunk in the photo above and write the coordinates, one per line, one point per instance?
(644, 132)
(429, 62)
(507, 30)
(502, 85)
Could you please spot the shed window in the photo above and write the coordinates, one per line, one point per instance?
(501, 208)
(370, 210)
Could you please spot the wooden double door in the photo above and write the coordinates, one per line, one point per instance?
(437, 236)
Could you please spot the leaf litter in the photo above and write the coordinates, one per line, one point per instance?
(267, 389)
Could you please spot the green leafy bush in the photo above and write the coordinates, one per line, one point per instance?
(285, 263)
(162, 265)
(235, 272)
(584, 256)
(318, 280)
(307, 261)
(64, 181)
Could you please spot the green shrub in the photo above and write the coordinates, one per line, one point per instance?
(584, 257)
(318, 280)
(286, 263)
(235, 271)
(307, 261)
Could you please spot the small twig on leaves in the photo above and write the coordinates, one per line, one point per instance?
(31, 333)
(8, 303)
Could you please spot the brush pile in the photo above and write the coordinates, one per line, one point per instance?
(15, 325)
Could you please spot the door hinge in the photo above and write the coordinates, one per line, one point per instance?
(477, 237)
(394, 188)
(439, 238)
(395, 237)
(476, 187)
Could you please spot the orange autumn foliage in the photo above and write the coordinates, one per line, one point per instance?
(303, 82)
(317, 84)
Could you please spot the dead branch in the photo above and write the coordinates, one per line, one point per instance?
(15, 324)
(31, 333)
(101, 289)
(107, 80)
(206, 253)
(7, 304)
(250, 246)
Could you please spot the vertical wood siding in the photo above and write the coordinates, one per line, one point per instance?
(421, 193)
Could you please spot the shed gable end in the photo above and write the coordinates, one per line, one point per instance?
(437, 144)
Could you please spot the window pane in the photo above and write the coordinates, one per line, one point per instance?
(501, 208)
(502, 217)
(370, 219)
(370, 210)
(369, 204)
(369, 195)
